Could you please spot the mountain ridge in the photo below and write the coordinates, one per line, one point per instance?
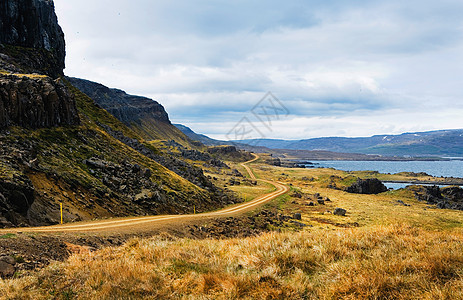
(447, 142)
(145, 116)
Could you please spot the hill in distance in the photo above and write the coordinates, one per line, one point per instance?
(420, 145)
(444, 143)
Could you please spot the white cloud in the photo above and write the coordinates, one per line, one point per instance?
(346, 68)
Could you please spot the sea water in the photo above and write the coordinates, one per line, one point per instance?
(450, 168)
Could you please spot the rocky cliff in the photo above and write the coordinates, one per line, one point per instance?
(127, 108)
(35, 102)
(32, 41)
(145, 116)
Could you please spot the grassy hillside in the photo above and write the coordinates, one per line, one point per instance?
(150, 129)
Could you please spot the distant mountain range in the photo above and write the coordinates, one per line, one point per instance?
(199, 137)
(432, 143)
(442, 143)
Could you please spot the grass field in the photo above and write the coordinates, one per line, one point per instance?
(384, 262)
(379, 250)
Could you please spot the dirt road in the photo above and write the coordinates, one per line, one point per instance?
(142, 222)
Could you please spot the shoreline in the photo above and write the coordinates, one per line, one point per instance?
(427, 182)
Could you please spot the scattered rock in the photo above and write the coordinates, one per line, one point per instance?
(297, 216)
(296, 195)
(307, 179)
(310, 204)
(339, 212)
(298, 223)
(442, 204)
(281, 217)
(402, 203)
(321, 201)
(147, 173)
(136, 168)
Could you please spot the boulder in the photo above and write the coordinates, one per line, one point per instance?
(367, 186)
(402, 203)
(7, 268)
(296, 195)
(339, 212)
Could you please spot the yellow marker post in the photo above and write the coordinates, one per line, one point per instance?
(61, 211)
(194, 209)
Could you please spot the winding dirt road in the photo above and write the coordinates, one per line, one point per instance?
(142, 222)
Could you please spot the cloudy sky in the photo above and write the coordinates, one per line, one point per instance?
(340, 67)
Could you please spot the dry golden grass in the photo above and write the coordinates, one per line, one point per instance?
(397, 252)
(393, 262)
(366, 210)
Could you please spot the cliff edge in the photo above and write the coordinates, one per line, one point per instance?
(31, 39)
(32, 53)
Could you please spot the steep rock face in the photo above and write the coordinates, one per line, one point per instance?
(35, 102)
(26, 24)
(127, 108)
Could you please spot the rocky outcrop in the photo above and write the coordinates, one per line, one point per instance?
(127, 108)
(35, 102)
(367, 186)
(27, 25)
(444, 198)
(222, 150)
(227, 152)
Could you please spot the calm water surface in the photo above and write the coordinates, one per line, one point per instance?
(452, 168)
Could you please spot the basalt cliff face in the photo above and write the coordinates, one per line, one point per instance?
(32, 53)
(35, 102)
(32, 41)
(127, 108)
